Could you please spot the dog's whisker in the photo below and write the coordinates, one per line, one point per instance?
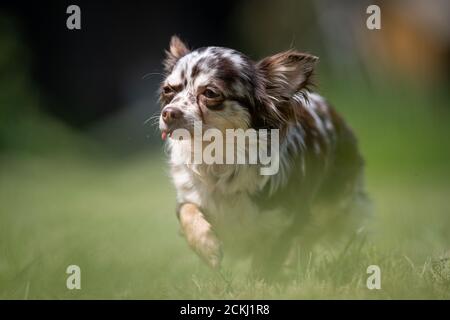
(150, 119)
(154, 117)
(145, 76)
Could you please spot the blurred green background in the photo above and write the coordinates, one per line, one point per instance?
(83, 179)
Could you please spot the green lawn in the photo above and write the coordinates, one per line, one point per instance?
(117, 223)
(116, 220)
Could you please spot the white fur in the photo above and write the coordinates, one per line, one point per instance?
(227, 202)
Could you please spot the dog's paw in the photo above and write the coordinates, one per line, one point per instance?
(200, 235)
(204, 242)
(209, 249)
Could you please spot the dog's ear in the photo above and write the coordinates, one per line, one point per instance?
(286, 73)
(177, 49)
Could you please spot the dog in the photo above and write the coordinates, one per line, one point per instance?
(232, 208)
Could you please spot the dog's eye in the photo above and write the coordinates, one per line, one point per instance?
(210, 94)
(212, 99)
(168, 90)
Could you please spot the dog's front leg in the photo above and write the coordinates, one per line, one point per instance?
(199, 234)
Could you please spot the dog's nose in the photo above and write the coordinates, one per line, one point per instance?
(171, 113)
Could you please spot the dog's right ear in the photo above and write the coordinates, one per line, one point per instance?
(177, 49)
(287, 73)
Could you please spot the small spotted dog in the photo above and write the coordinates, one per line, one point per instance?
(233, 208)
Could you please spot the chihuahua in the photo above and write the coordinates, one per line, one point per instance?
(317, 189)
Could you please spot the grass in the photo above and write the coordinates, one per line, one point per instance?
(117, 223)
(116, 220)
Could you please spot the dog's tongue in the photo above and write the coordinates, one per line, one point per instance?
(164, 135)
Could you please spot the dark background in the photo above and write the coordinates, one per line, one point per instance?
(95, 71)
(102, 80)
(113, 62)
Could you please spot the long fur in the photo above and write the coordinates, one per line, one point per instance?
(320, 165)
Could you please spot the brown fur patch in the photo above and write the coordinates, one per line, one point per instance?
(199, 234)
(177, 49)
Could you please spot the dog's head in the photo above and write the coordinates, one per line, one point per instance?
(224, 89)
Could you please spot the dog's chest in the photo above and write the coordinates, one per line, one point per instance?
(224, 194)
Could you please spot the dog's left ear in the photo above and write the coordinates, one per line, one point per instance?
(177, 49)
(286, 73)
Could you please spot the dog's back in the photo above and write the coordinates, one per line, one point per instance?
(320, 185)
(321, 176)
